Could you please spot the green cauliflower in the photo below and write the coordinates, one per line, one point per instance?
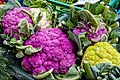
(101, 52)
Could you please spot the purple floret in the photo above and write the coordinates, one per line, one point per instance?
(11, 20)
(94, 35)
(57, 52)
(76, 31)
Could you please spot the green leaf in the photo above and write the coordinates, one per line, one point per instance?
(4, 36)
(108, 71)
(95, 70)
(12, 3)
(105, 12)
(72, 71)
(95, 9)
(82, 35)
(43, 74)
(103, 66)
(19, 42)
(118, 47)
(106, 1)
(27, 2)
(13, 41)
(19, 54)
(36, 3)
(72, 74)
(3, 10)
(50, 77)
(75, 38)
(99, 9)
(4, 68)
(68, 1)
(108, 15)
(28, 50)
(113, 34)
(24, 27)
(85, 41)
(88, 71)
(31, 50)
(28, 13)
(112, 41)
(88, 17)
(87, 6)
(39, 17)
(115, 25)
(69, 24)
(39, 3)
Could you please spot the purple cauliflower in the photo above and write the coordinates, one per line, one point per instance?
(11, 20)
(57, 52)
(92, 33)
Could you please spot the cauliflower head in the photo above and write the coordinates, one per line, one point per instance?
(57, 52)
(101, 52)
(93, 34)
(11, 20)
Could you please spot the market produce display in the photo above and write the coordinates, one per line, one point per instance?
(39, 41)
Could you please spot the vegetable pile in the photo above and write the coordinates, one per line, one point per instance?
(38, 44)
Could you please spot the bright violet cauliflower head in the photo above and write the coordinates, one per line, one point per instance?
(57, 52)
(12, 18)
(93, 34)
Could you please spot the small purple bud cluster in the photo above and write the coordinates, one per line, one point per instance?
(90, 33)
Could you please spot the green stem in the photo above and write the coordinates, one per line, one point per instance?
(43, 75)
(71, 12)
(105, 11)
(30, 15)
(88, 71)
(114, 25)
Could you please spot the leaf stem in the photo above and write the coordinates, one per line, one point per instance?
(88, 71)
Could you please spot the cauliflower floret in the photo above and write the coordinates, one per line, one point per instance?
(93, 34)
(57, 52)
(101, 52)
(11, 20)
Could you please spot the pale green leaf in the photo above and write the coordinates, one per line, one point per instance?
(88, 17)
(43, 75)
(24, 27)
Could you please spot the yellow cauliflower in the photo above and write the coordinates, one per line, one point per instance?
(101, 52)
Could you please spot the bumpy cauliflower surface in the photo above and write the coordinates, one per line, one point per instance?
(11, 20)
(57, 52)
(101, 52)
(93, 34)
